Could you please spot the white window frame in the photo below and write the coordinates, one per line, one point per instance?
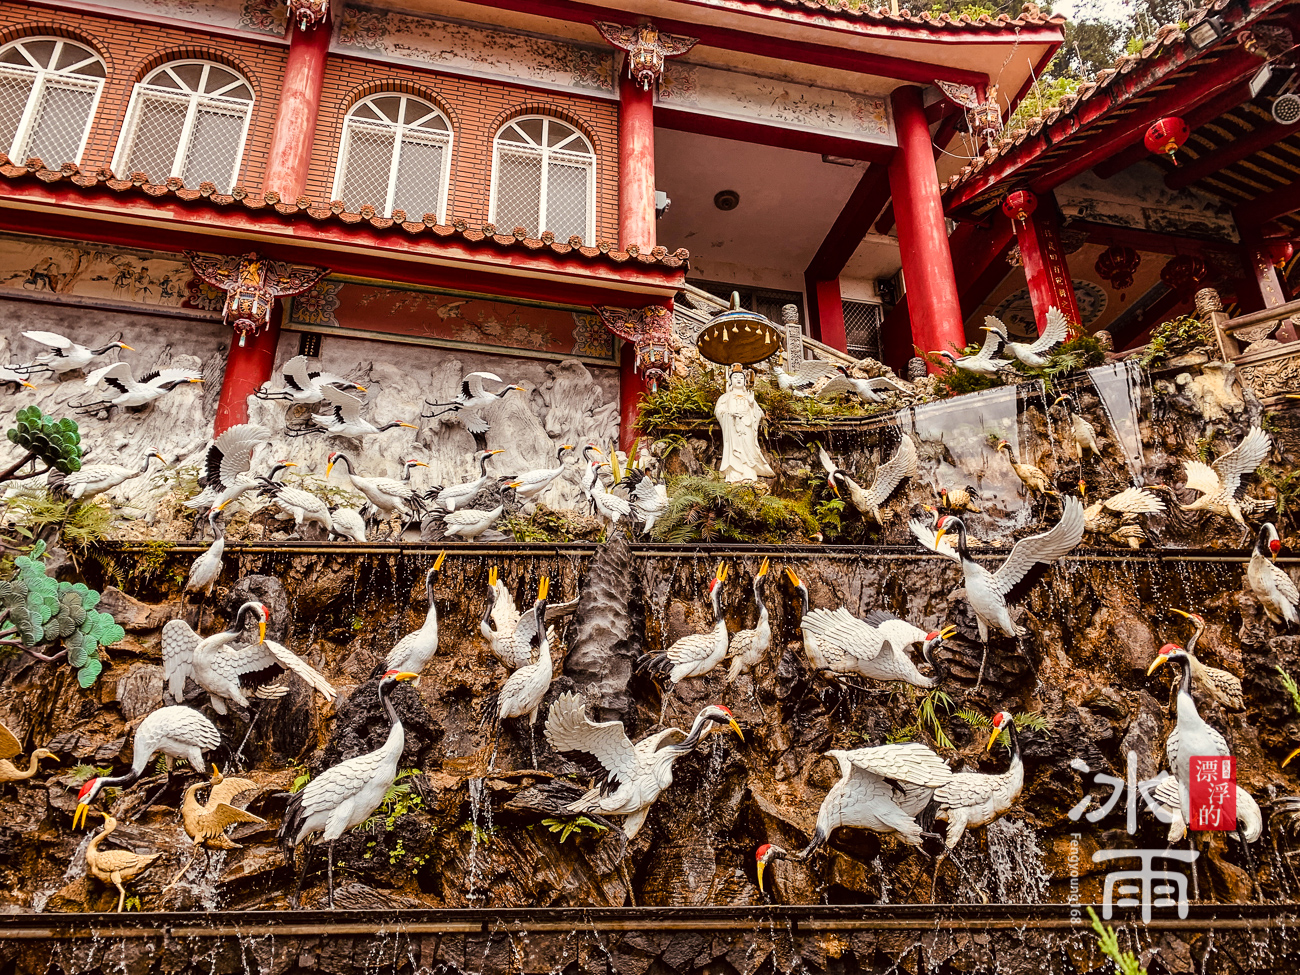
(195, 100)
(400, 131)
(41, 76)
(545, 152)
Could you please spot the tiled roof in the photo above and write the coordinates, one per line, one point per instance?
(427, 229)
(1026, 141)
(1030, 16)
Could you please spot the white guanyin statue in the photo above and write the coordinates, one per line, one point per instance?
(739, 415)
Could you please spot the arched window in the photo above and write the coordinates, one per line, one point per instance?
(544, 178)
(395, 155)
(48, 91)
(187, 119)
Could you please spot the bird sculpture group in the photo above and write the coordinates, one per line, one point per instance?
(218, 684)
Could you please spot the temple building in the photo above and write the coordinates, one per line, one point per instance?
(450, 186)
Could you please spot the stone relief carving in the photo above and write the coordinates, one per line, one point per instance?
(647, 47)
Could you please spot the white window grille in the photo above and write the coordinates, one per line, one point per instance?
(544, 178)
(49, 88)
(187, 119)
(395, 155)
(862, 324)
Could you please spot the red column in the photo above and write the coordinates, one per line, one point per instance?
(922, 236)
(630, 388)
(636, 165)
(295, 118)
(826, 312)
(1270, 286)
(1046, 270)
(248, 367)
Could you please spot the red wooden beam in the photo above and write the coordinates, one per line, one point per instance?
(851, 225)
(1259, 211)
(1224, 156)
(760, 40)
(1206, 112)
(1150, 241)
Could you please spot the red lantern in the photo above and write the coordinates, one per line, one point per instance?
(1279, 252)
(1019, 205)
(1167, 135)
(1116, 266)
(1183, 275)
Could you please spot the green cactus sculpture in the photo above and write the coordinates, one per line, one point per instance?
(36, 609)
(57, 442)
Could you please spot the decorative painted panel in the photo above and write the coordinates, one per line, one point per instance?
(731, 94)
(38, 267)
(259, 16)
(453, 320)
(473, 50)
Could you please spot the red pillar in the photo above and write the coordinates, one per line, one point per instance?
(636, 165)
(248, 367)
(922, 236)
(630, 388)
(826, 312)
(1046, 270)
(1270, 284)
(295, 118)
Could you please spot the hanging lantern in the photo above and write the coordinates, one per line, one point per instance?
(1183, 275)
(1116, 266)
(1019, 205)
(1279, 252)
(1167, 135)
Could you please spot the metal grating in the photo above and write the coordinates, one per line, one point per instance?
(60, 122)
(518, 189)
(568, 180)
(369, 165)
(160, 122)
(214, 147)
(15, 89)
(418, 187)
(862, 324)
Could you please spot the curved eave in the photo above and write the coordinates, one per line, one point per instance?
(171, 217)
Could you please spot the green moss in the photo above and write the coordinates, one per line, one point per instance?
(548, 525)
(1176, 337)
(708, 509)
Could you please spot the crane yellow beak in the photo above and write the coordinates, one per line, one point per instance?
(492, 576)
(1180, 612)
(947, 632)
(833, 487)
(762, 569)
(1289, 757)
(410, 425)
(288, 463)
(329, 467)
(761, 865)
(736, 728)
(437, 563)
(544, 587)
(566, 446)
(499, 450)
(1157, 663)
(721, 574)
(24, 382)
(261, 631)
(939, 535)
(997, 733)
(216, 772)
(792, 577)
(79, 815)
(406, 675)
(127, 347)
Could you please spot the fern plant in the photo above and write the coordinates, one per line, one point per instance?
(398, 800)
(572, 826)
(1126, 962)
(1289, 685)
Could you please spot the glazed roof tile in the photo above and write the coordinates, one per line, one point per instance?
(1030, 16)
(1167, 39)
(205, 197)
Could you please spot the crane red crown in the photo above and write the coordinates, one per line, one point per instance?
(1169, 648)
(85, 789)
(1275, 546)
(762, 851)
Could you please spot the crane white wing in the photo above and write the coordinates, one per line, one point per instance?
(296, 374)
(176, 724)
(53, 339)
(119, 371)
(526, 629)
(1218, 743)
(178, 643)
(841, 628)
(891, 473)
(165, 376)
(991, 350)
(829, 464)
(925, 534)
(1241, 462)
(9, 743)
(1285, 584)
(296, 498)
(1201, 477)
(347, 408)
(231, 453)
(471, 385)
(1056, 332)
(810, 370)
(905, 762)
(337, 784)
(255, 657)
(1030, 556)
(568, 729)
(1134, 501)
(504, 613)
(836, 386)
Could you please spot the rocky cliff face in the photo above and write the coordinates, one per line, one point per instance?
(456, 834)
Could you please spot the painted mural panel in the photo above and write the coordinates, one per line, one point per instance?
(259, 16)
(453, 320)
(38, 267)
(731, 94)
(468, 49)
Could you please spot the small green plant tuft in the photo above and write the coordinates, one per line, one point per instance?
(572, 826)
(1176, 337)
(1126, 962)
(1289, 685)
(707, 508)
